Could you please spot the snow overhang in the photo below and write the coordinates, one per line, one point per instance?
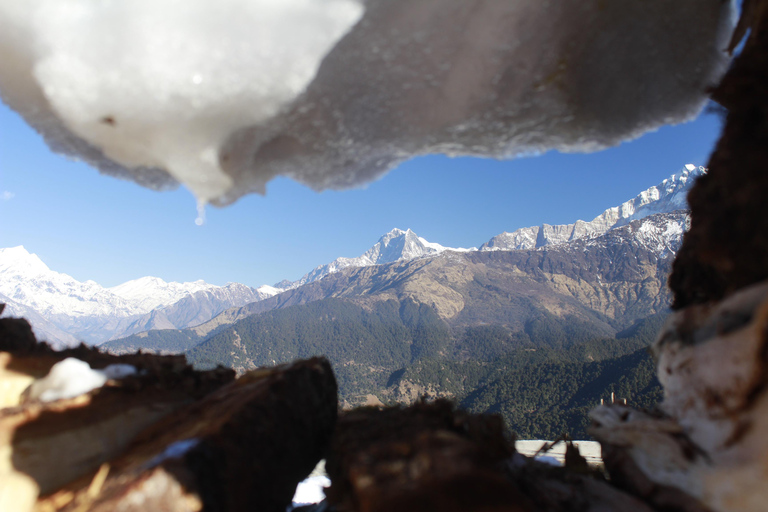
(224, 96)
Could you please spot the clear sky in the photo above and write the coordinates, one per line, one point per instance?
(110, 231)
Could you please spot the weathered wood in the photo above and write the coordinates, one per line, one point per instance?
(710, 444)
(423, 457)
(244, 447)
(726, 248)
(433, 457)
(56, 442)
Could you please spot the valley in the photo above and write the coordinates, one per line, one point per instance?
(538, 325)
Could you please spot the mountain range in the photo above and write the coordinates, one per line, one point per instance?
(401, 264)
(667, 196)
(65, 311)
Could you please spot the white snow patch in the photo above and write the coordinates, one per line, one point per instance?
(72, 377)
(311, 490)
(148, 293)
(590, 450)
(265, 291)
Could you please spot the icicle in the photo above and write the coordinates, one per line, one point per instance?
(200, 220)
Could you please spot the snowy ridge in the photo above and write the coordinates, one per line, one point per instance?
(394, 246)
(660, 233)
(148, 293)
(25, 279)
(667, 196)
(198, 307)
(63, 310)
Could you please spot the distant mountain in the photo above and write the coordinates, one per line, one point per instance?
(449, 324)
(660, 237)
(149, 293)
(90, 312)
(65, 311)
(538, 334)
(198, 307)
(587, 287)
(397, 245)
(668, 196)
(43, 329)
(29, 281)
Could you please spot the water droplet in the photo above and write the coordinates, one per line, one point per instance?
(200, 220)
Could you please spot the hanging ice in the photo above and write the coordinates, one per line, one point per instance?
(223, 96)
(158, 85)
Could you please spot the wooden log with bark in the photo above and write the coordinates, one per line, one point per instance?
(709, 443)
(707, 450)
(431, 456)
(166, 437)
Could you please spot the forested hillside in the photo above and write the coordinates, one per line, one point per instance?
(542, 379)
(537, 335)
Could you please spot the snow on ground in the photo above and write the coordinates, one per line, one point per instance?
(311, 490)
(72, 377)
(590, 450)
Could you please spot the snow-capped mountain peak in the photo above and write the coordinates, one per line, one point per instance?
(400, 245)
(63, 310)
(394, 246)
(20, 261)
(25, 279)
(668, 196)
(148, 293)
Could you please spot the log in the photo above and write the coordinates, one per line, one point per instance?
(45, 445)
(428, 456)
(243, 447)
(710, 443)
(431, 456)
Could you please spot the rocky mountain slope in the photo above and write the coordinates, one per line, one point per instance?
(661, 237)
(397, 245)
(600, 285)
(64, 309)
(558, 327)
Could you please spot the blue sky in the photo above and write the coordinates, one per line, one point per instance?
(110, 231)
